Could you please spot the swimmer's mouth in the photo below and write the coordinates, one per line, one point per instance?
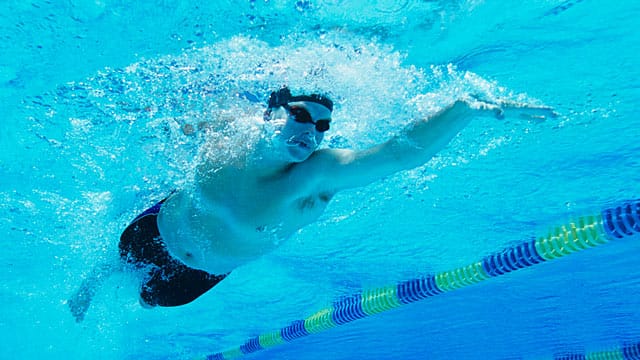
(299, 143)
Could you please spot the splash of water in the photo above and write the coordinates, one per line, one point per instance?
(138, 132)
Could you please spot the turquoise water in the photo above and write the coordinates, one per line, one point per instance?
(94, 96)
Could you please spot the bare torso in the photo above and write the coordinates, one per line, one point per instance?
(233, 216)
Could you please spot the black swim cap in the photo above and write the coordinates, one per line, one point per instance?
(283, 97)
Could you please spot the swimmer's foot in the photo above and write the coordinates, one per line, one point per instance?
(79, 303)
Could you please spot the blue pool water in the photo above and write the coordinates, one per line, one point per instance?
(95, 95)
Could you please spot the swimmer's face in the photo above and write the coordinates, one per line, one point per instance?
(303, 128)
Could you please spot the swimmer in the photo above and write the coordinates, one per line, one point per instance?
(190, 241)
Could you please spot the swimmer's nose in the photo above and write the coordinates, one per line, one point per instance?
(310, 136)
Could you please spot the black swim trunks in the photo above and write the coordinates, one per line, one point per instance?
(169, 281)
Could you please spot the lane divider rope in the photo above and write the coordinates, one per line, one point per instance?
(586, 232)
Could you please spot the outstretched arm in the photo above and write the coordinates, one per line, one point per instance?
(416, 145)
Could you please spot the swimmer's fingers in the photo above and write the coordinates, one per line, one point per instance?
(533, 112)
(483, 106)
(510, 109)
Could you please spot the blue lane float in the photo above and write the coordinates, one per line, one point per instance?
(518, 257)
(626, 352)
(585, 232)
(631, 351)
(348, 310)
(417, 289)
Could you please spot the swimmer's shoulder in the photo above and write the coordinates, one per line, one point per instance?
(332, 157)
(327, 166)
(346, 168)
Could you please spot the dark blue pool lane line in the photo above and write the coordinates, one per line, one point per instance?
(626, 352)
(348, 310)
(631, 352)
(623, 220)
(250, 346)
(518, 257)
(585, 232)
(294, 331)
(417, 289)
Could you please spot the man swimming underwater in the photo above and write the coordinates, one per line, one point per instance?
(193, 239)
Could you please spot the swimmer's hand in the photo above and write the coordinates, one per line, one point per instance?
(509, 109)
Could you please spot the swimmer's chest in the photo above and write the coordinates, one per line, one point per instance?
(270, 204)
(271, 209)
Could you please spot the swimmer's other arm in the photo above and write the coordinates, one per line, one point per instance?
(416, 145)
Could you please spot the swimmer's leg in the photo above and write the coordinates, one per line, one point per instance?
(80, 301)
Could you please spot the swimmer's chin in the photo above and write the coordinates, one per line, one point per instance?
(299, 151)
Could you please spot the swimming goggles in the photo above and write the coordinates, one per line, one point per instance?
(282, 98)
(301, 115)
